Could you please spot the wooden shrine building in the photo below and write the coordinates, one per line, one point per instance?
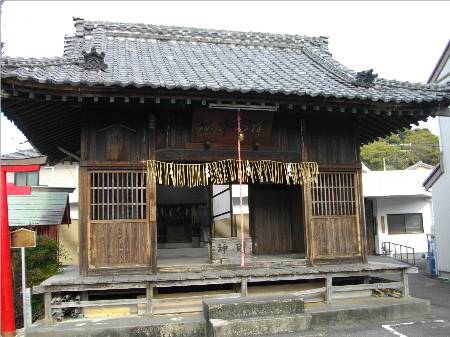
(145, 107)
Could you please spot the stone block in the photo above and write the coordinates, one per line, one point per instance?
(257, 326)
(122, 327)
(380, 311)
(228, 249)
(261, 306)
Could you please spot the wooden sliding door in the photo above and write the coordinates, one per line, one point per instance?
(118, 231)
(335, 230)
(276, 223)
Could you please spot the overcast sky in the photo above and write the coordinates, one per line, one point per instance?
(399, 40)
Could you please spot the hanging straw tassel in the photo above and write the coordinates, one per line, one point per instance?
(227, 171)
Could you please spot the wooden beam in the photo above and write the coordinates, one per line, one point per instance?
(189, 155)
(357, 287)
(70, 154)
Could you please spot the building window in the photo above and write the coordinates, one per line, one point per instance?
(410, 223)
(26, 178)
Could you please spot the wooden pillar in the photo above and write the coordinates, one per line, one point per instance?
(84, 296)
(307, 223)
(306, 198)
(47, 309)
(404, 277)
(329, 289)
(83, 226)
(151, 197)
(149, 296)
(362, 217)
(359, 194)
(244, 290)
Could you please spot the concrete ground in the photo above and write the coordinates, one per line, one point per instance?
(421, 286)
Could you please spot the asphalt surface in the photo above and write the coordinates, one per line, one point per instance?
(421, 286)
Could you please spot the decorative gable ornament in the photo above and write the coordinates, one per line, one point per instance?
(93, 60)
(365, 78)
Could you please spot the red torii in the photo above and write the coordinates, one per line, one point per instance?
(7, 308)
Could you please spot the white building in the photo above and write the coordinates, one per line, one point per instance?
(65, 174)
(439, 179)
(398, 208)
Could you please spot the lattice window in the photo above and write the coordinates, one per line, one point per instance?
(334, 194)
(117, 195)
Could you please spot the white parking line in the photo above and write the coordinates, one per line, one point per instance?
(390, 328)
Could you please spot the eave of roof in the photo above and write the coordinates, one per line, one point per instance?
(23, 157)
(443, 59)
(434, 176)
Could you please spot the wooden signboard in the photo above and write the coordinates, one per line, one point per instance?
(220, 126)
(23, 238)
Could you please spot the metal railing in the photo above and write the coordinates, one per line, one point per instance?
(399, 252)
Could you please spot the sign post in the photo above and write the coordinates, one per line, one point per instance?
(23, 238)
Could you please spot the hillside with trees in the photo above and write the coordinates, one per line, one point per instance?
(401, 150)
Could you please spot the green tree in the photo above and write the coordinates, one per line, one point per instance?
(401, 150)
(424, 146)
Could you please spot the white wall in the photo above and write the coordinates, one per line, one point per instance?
(441, 201)
(62, 175)
(399, 205)
(395, 183)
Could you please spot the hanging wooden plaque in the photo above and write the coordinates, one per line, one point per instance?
(220, 126)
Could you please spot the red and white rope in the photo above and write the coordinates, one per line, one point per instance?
(243, 262)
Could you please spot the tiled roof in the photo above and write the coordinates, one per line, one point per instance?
(21, 154)
(139, 55)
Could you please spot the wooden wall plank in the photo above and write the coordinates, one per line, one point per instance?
(332, 141)
(335, 236)
(117, 244)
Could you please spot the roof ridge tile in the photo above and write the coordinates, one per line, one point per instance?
(200, 34)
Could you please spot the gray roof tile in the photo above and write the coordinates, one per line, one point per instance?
(189, 58)
(21, 154)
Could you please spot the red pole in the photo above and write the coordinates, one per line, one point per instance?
(7, 309)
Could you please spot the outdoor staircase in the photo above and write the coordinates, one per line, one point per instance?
(268, 315)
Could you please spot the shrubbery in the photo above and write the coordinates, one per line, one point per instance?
(42, 262)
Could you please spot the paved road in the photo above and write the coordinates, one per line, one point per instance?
(421, 286)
